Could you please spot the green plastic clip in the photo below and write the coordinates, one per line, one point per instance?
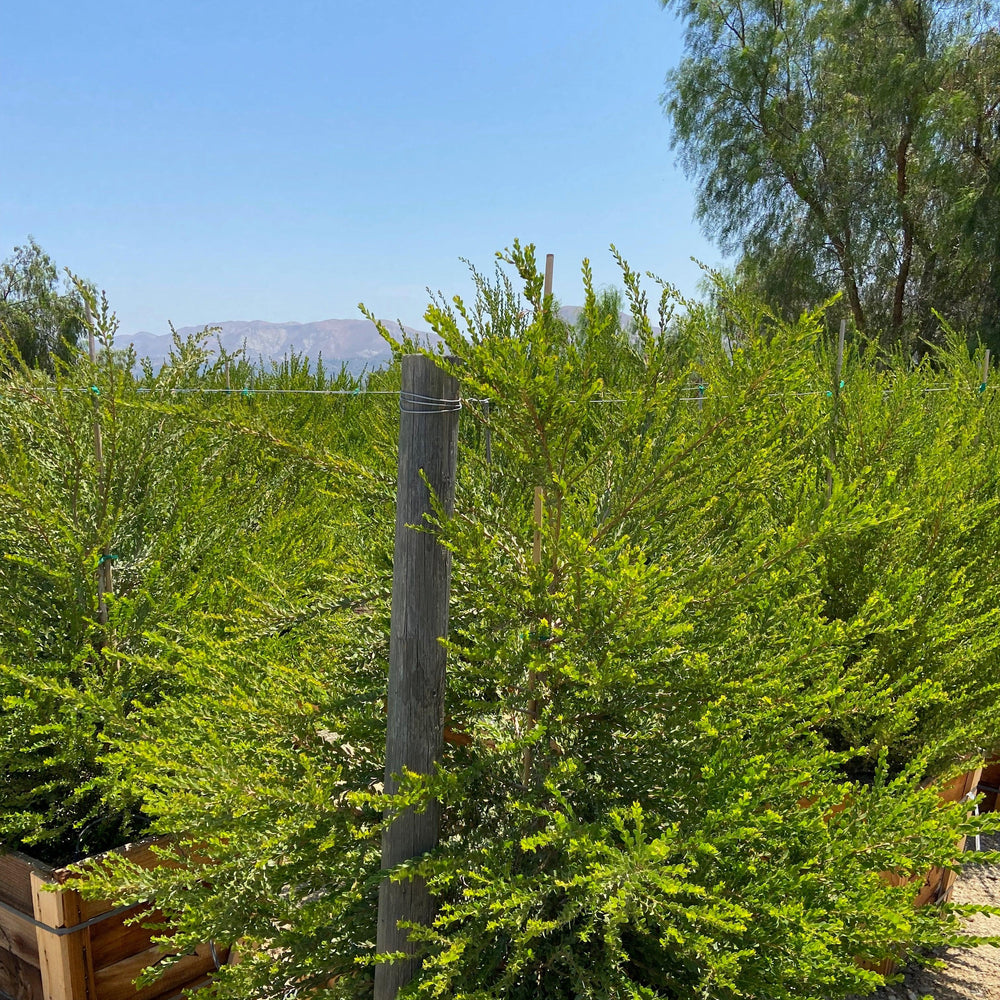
(540, 634)
(107, 557)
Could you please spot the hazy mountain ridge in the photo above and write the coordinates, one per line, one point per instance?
(355, 342)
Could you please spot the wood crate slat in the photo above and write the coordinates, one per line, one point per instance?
(15, 880)
(18, 938)
(114, 939)
(991, 780)
(141, 852)
(197, 984)
(115, 982)
(19, 980)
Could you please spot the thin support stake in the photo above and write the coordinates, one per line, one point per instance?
(536, 552)
(838, 371)
(536, 560)
(105, 581)
(421, 578)
(549, 264)
(488, 434)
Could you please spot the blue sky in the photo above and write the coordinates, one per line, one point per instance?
(284, 161)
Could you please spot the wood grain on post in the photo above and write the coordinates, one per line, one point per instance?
(421, 579)
(66, 961)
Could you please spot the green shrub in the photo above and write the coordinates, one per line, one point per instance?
(662, 714)
(204, 502)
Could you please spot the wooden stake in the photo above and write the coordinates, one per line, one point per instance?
(536, 560)
(228, 386)
(982, 384)
(428, 447)
(536, 552)
(840, 353)
(549, 263)
(105, 583)
(488, 434)
(836, 406)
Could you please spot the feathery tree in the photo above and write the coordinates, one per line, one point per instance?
(41, 321)
(848, 144)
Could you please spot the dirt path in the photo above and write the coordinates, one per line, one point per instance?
(971, 973)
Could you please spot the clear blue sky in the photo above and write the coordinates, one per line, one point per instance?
(284, 161)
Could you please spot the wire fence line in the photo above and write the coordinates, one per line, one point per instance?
(704, 394)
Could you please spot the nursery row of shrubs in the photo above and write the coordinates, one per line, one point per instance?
(762, 635)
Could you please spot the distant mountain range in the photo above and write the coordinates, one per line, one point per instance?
(354, 342)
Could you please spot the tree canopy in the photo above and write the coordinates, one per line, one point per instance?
(848, 145)
(40, 318)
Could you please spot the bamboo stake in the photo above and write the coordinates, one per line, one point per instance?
(105, 582)
(536, 552)
(536, 560)
(836, 407)
(982, 385)
(489, 435)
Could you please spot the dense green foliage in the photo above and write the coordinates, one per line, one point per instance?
(841, 145)
(720, 648)
(193, 508)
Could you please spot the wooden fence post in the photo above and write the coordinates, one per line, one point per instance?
(421, 578)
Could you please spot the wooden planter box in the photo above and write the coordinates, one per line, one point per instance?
(60, 946)
(990, 785)
(939, 882)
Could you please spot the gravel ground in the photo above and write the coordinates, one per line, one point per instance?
(971, 973)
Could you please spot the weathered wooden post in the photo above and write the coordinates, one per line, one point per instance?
(421, 577)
